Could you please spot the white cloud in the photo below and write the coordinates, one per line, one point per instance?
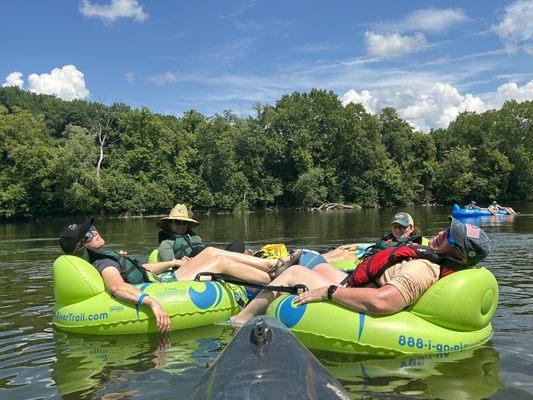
(394, 44)
(14, 79)
(129, 76)
(365, 98)
(438, 106)
(116, 9)
(164, 78)
(511, 91)
(67, 83)
(434, 108)
(516, 28)
(429, 20)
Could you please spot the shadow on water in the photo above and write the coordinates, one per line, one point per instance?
(86, 366)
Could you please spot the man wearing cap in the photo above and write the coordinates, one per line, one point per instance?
(83, 240)
(402, 232)
(120, 272)
(388, 281)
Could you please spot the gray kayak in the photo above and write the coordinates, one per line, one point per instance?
(265, 361)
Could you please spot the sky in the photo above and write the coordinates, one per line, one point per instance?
(430, 60)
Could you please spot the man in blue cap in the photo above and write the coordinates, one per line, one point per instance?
(388, 281)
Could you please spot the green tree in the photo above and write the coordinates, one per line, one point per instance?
(454, 179)
(25, 154)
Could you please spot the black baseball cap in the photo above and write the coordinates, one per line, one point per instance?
(73, 234)
(471, 239)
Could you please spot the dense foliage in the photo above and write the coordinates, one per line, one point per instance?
(59, 157)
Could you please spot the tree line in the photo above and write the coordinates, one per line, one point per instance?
(76, 157)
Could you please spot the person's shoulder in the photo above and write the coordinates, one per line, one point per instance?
(386, 236)
(166, 243)
(422, 268)
(103, 263)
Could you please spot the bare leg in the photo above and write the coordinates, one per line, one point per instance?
(264, 264)
(223, 265)
(339, 254)
(290, 277)
(330, 272)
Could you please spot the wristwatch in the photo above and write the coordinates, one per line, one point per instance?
(331, 290)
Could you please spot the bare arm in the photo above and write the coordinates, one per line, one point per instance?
(349, 247)
(385, 300)
(124, 291)
(161, 266)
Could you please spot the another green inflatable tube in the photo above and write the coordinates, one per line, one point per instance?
(454, 314)
(154, 256)
(83, 305)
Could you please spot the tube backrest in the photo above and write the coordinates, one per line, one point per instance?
(465, 300)
(75, 280)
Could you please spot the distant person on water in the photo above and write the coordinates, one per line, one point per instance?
(473, 206)
(120, 272)
(495, 207)
(386, 283)
(403, 231)
(178, 240)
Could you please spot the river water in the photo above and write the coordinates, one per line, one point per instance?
(39, 362)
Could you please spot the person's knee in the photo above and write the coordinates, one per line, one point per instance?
(220, 261)
(294, 272)
(209, 251)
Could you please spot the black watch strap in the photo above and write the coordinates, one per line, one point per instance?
(331, 290)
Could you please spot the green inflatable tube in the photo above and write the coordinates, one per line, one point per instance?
(154, 256)
(83, 305)
(453, 315)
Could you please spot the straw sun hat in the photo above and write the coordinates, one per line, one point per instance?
(179, 213)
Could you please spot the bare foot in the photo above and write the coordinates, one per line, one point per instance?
(284, 263)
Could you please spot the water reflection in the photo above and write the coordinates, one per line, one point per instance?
(126, 366)
(86, 365)
(472, 374)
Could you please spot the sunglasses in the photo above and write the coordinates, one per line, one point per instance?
(449, 236)
(91, 233)
(451, 240)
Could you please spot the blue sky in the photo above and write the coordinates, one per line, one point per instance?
(430, 60)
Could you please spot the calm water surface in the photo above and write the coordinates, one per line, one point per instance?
(38, 362)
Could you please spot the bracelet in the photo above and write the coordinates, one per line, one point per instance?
(331, 290)
(141, 298)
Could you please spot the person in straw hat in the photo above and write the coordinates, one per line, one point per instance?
(177, 239)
